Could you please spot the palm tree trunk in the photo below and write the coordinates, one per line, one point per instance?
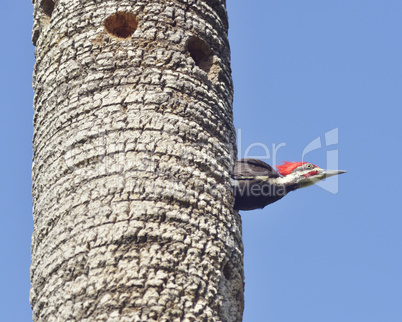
(133, 144)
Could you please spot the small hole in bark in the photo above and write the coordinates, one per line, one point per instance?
(200, 52)
(35, 37)
(227, 271)
(47, 6)
(121, 24)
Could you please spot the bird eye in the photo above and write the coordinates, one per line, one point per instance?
(309, 166)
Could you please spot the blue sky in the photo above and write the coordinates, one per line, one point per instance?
(300, 69)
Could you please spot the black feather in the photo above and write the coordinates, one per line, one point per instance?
(252, 168)
(251, 185)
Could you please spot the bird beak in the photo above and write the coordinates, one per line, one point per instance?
(318, 174)
(331, 173)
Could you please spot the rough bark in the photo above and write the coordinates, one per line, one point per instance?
(133, 144)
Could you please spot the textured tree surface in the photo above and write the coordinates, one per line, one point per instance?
(132, 149)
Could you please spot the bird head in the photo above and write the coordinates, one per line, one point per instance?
(304, 174)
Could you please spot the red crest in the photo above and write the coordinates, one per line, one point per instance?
(287, 167)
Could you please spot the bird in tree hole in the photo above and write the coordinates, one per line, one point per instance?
(256, 184)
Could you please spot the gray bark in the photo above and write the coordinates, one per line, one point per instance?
(133, 144)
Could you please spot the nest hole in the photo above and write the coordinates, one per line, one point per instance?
(121, 24)
(227, 272)
(200, 52)
(47, 6)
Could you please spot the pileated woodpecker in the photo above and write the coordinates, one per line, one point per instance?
(256, 184)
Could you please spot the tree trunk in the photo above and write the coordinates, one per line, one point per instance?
(132, 149)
